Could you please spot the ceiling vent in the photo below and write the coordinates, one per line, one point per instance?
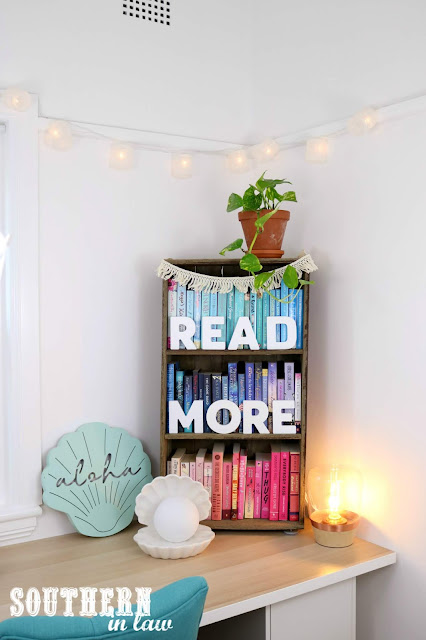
(149, 10)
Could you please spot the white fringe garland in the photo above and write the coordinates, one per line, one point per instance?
(218, 284)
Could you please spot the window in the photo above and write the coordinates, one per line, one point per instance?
(20, 431)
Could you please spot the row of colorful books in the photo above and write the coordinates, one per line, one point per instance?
(184, 302)
(243, 381)
(266, 487)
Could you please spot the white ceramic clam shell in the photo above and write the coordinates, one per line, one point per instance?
(165, 486)
(150, 542)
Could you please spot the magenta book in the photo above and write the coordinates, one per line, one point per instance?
(172, 305)
(284, 485)
(265, 486)
(242, 484)
(294, 486)
(249, 501)
(257, 487)
(274, 481)
(235, 471)
(227, 487)
(217, 455)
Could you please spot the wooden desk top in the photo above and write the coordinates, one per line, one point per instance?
(244, 570)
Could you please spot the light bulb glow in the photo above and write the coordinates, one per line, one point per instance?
(237, 161)
(121, 156)
(58, 135)
(334, 501)
(317, 150)
(181, 165)
(265, 150)
(362, 122)
(17, 99)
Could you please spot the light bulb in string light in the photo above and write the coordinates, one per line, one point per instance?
(121, 156)
(265, 150)
(58, 135)
(17, 99)
(362, 122)
(237, 161)
(181, 165)
(317, 150)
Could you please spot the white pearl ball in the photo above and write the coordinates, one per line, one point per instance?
(176, 519)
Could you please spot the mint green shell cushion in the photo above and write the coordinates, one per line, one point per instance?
(94, 475)
(182, 602)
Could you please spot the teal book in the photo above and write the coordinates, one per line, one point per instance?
(213, 308)
(299, 320)
(205, 308)
(246, 310)
(265, 314)
(239, 308)
(221, 312)
(197, 319)
(284, 310)
(190, 304)
(292, 308)
(230, 314)
(253, 310)
(259, 320)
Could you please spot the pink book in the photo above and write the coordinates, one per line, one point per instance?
(242, 484)
(199, 465)
(235, 470)
(227, 487)
(294, 486)
(284, 484)
(208, 469)
(264, 513)
(249, 501)
(274, 492)
(257, 487)
(172, 305)
(192, 469)
(218, 450)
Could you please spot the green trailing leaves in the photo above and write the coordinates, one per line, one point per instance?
(289, 196)
(234, 202)
(252, 201)
(290, 277)
(237, 244)
(262, 278)
(250, 262)
(260, 222)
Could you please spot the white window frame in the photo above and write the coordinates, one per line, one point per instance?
(22, 455)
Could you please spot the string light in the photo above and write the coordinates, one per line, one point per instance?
(265, 150)
(317, 150)
(181, 165)
(362, 122)
(17, 99)
(237, 161)
(58, 135)
(121, 156)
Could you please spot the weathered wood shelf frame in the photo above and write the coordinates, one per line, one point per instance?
(217, 361)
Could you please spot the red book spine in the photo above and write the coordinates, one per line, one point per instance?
(217, 482)
(265, 488)
(227, 490)
(242, 485)
(294, 487)
(275, 482)
(258, 489)
(284, 485)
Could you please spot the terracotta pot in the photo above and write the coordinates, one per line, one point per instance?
(269, 242)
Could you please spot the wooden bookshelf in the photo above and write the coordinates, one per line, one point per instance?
(213, 360)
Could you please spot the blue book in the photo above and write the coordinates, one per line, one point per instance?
(284, 310)
(259, 320)
(241, 396)
(205, 306)
(171, 381)
(230, 311)
(187, 398)
(278, 312)
(253, 310)
(265, 314)
(213, 308)
(207, 398)
(201, 386)
(249, 394)
(217, 392)
(299, 320)
(190, 304)
(197, 319)
(233, 382)
(292, 307)
(239, 308)
(221, 312)
(246, 311)
(258, 381)
(179, 387)
(225, 391)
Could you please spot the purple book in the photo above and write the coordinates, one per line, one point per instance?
(272, 390)
(289, 384)
(280, 389)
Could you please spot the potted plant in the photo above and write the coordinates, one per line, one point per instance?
(261, 217)
(261, 207)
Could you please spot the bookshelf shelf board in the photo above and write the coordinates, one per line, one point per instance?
(232, 436)
(235, 354)
(254, 524)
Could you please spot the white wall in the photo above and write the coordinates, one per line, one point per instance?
(363, 218)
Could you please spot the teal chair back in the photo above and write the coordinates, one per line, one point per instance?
(181, 602)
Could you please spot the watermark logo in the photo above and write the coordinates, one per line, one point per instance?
(90, 602)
